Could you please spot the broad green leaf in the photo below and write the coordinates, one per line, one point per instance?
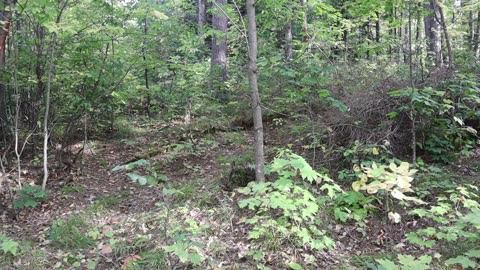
(474, 253)
(409, 262)
(387, 264)
(295, 266)
(9, 246)
(465, 262)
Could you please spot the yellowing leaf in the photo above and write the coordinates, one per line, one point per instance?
(357, 185)
(403, 167)
(375, 151)
(398, 195)
(393, 167)
(159, 15)
(394, 217)
(356, 168)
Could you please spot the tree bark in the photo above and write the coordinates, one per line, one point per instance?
(145, 72)
(219, 41)
(252, 80)
(305, 24)
(5, 18)
(288, 41)
(476, 39)
(434, 45)
(438, 5)
(202, 13)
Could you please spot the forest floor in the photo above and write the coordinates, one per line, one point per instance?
(96, 217)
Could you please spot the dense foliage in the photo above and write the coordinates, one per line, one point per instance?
(371, 111)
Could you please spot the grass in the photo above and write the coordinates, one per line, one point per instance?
(71, 233)
(72, 189)
(154, 259)
(125, 129)
(108, 202)
(185, 192)
(362, 261)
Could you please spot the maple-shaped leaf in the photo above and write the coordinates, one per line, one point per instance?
(9, 246)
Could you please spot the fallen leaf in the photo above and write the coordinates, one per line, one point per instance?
(106, 250)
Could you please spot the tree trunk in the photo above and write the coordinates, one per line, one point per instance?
(305, 25)
(252, 80)
(471, 31)
(434, 45)
(47, 112)
(202, 13)
(219, 41)
(476, 39)
(288, 41)
(443, 23)
(145, 72)
(377, 28)
(5, 19)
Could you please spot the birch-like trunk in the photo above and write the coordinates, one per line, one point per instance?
(256, 105)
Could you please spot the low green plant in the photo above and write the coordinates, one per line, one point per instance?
(8, 245)
(353, 205)
(456, 232)
(107, 202)
(446, 108)
(30, 196)
(405, 262)
(392, 179)
(152, 178)
(72, 189)
(153, 259)
(286, 210)
(181, 235)
(70, 233)
(184, 192)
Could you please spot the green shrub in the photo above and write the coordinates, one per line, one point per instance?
(30, 196)
(70, 233)
(286, 210)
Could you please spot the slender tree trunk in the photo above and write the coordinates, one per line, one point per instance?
(288, 41)
(471, 29)
(305, 24)
(400, 37)
(219, 41)
(412, 85)
(145, 72)
(443, 23)
(202, 13)
(377, 28)
(434, 48)
(476, 39)
(252, 79)
(47, 112)
(5, 22)
(47, 99)
(39, 72)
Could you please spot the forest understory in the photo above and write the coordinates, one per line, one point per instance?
(240, 134)
(97, 217)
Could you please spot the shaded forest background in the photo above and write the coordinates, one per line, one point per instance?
(350, 86)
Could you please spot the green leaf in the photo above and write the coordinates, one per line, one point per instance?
(465, 262)
(387, 264)
(474, 253)
(159, 15)
(9, 246)
(142, 180)
(295, 266)
(409, 262)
